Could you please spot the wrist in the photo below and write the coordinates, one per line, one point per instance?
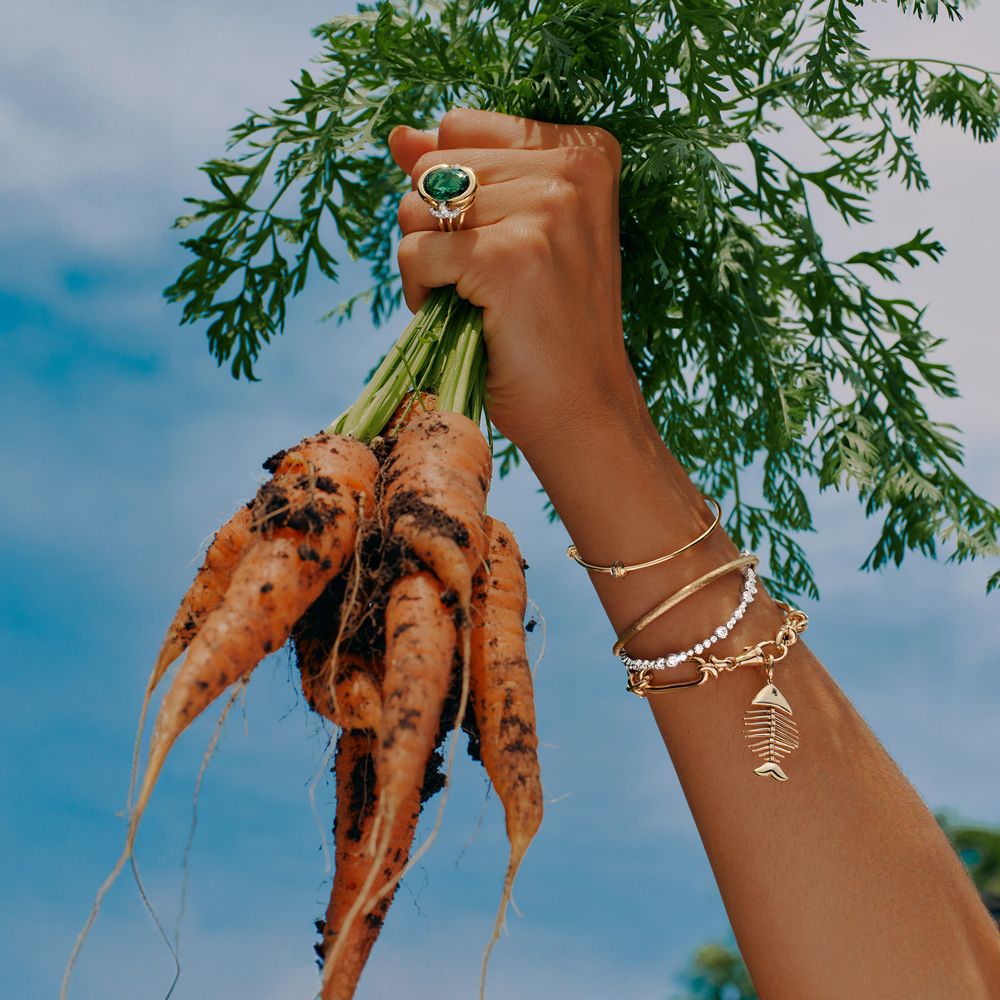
(590, 416)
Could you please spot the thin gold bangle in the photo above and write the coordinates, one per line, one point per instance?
(682, 595)
(618, 570)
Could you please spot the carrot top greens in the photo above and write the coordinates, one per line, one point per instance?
(753, 347)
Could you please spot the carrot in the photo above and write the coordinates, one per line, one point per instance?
(207, 589)
(356, 699)
(343, 686)
(356, 799)
(434, 496)
(503, 701)
(202, 598)
(305, 519)
(420, 649)
(317, 556)
(419, 654)
(411, 406)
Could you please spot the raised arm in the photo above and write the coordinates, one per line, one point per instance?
(839, 882)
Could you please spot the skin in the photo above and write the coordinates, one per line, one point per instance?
(837, 883)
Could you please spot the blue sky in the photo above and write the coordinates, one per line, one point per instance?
(125, 447)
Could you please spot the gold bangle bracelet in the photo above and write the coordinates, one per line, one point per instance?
(682, 595)
(618, 569)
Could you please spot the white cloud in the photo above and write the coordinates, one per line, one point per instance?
(129, 472)
(110, 107)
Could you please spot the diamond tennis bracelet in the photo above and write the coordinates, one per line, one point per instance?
(676, 659)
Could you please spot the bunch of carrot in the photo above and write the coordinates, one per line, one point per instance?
(405, 603)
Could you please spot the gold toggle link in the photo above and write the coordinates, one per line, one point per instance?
(794, 624)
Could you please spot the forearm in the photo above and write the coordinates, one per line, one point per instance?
(837, 883)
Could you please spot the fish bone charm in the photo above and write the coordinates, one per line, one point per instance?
(771, 731)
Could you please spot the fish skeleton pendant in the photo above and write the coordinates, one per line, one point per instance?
(771, 730)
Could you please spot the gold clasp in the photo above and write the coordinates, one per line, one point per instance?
(638, 681)
(641, 686)
(751, 656)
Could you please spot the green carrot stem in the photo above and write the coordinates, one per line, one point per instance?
(459, 390)
(440, 351)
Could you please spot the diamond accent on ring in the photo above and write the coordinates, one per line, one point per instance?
(441, 211)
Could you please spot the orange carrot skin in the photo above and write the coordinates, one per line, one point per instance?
(305, 520)
(208, 588)
(356, 801)
(356, 699)
(420, 639)
(434, 495)
(501, 687)
(408, 410)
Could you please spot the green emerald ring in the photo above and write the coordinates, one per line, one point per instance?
(449, 189)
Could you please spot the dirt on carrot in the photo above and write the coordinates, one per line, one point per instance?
(434, 486)
(405, 607)
(420, 645)
(357, 796)
(502, 696)
(305, 523)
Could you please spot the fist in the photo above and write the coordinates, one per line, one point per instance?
(539, 252)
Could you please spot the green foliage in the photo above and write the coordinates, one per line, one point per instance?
(753, 347)
(979, 849)
(717, 972)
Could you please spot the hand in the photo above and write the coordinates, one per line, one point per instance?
(539, 252)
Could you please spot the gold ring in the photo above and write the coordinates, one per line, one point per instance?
(449, 189)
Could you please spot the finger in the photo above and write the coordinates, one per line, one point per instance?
(493, 130)
(407, 145)
(431, 260)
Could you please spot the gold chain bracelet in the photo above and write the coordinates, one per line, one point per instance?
(769, 728)
(794, 624)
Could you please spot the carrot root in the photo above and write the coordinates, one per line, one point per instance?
(202, 598)
(503, 703)
(356, 797)
(420, 644)
(434, 498)
(207, 589)
(305, 522)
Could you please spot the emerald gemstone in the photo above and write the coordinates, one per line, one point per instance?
(446, 183)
